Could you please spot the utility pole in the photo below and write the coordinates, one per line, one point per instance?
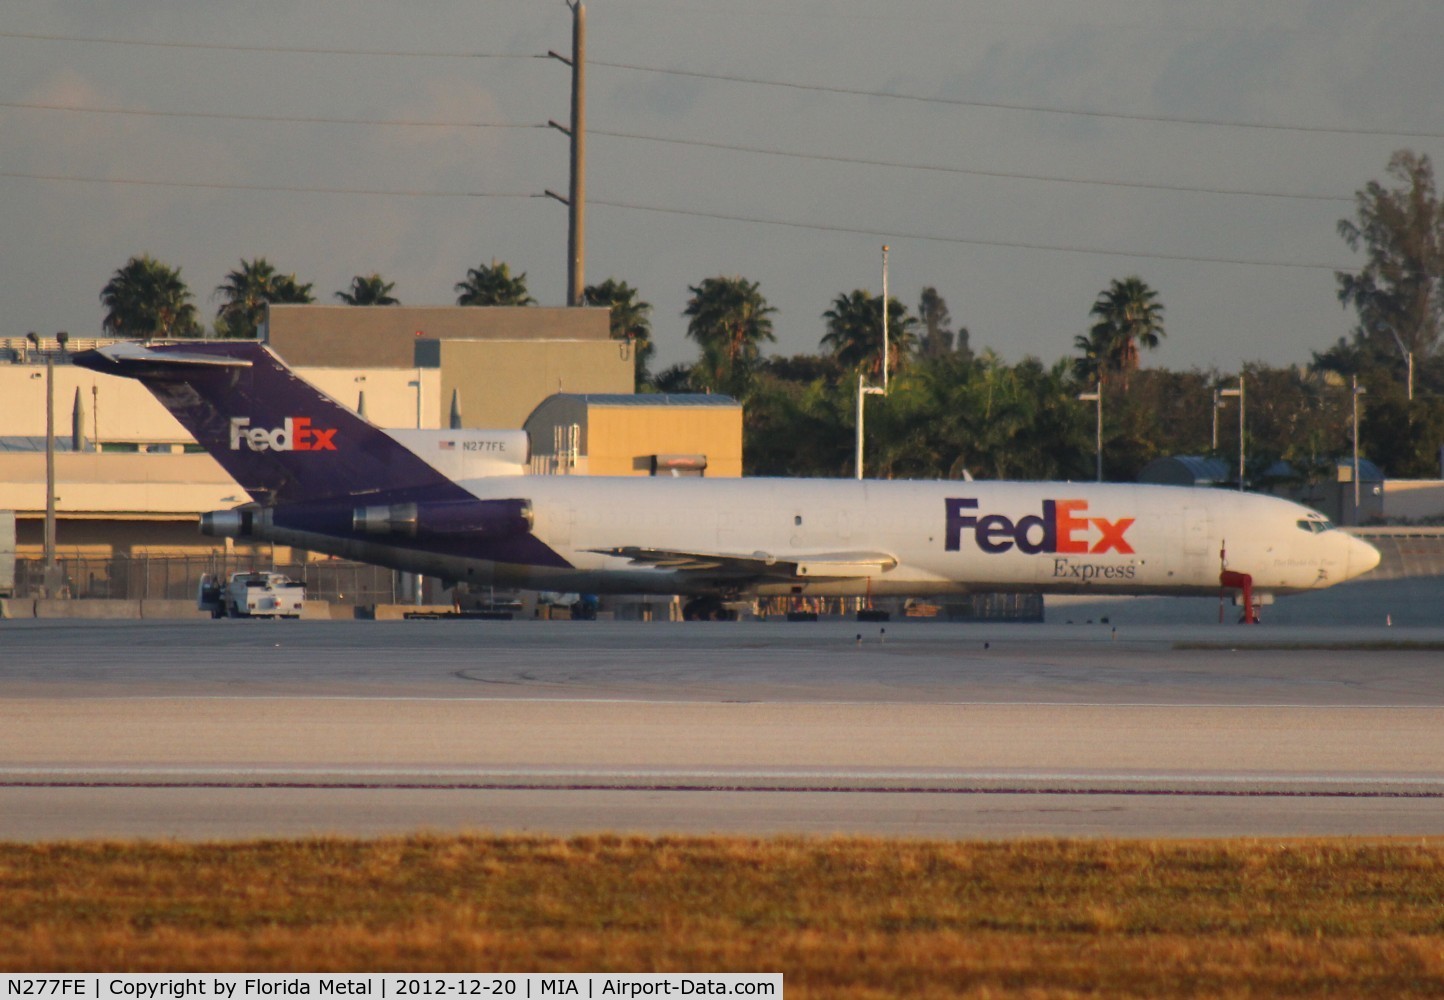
(576, 200)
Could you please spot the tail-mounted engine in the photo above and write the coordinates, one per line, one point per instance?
(479, 519)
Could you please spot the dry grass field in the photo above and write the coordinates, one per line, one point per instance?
(841, 918)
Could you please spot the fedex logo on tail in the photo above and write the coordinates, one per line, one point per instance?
(1063, 526)
(294, 434)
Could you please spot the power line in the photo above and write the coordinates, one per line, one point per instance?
(694, 213)
(932, 238)
(1008, 175)
(732, 78)
(765, 151)
(283, 49)
(1009, 106)
(288, 119)
(287, 188)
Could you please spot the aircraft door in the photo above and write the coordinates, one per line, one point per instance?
(1195, 531)
(1196, 543)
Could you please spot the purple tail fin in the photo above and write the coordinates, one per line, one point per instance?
(277, 435)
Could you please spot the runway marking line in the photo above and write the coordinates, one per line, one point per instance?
(967, 783)
(819, 789)
(766, 773)
(441, 699)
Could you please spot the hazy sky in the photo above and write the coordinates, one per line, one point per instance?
(1033, 153)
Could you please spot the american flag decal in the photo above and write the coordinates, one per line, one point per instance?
(447, 445)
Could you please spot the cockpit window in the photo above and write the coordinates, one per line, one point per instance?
(1315, 525)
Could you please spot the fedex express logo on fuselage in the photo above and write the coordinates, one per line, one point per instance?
(294, 434)
(1063, 526)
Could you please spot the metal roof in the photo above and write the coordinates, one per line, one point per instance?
(31, 443)
(652, 399)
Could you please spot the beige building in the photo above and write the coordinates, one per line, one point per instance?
(384, 336)
(494, 363)
(497, 383)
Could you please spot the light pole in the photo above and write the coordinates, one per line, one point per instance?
(1356, 391)
(885, 352)
(1216, 407)
(51, 576)
(863, 391)
(1238, 391)
(1096, 396)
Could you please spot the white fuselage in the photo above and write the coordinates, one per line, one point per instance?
(929, 537)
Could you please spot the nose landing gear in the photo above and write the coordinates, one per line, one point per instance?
(1244, 582)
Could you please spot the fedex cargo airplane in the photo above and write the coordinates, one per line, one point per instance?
(459, 504)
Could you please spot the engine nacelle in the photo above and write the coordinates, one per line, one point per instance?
(482, 519)
(241, 522)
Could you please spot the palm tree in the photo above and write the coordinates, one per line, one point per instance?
(729, 320)
(1091, 361)
(146, 298)
(369, 290)
(493, 286)
(854, 331)
(630, 320)
(1129, 317)
(937, 338)
(247, 291)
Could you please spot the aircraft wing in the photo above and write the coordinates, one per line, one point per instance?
(759, 565)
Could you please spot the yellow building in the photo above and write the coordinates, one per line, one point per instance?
(600, 434)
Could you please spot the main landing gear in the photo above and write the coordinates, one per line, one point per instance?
(704, 609)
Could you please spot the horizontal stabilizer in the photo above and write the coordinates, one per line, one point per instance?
(135, 359)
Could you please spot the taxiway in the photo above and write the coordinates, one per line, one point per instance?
(207, 730)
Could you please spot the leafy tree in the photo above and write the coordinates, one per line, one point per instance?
(630, 320)
(493, 286)
(369, 290)
(797, 427)
(1129, 317)
(802, 369)
(730, 320)
(1402, 438)
(854, 332)
(146, 298)
(1399, 292)
(246, 292)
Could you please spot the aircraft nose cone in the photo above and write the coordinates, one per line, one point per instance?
(1362, 557)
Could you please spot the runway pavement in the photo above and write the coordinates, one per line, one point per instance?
(204, 730)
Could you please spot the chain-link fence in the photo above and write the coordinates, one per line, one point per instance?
(342, 582)
(178, 578)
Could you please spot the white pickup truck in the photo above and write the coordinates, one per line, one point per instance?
(252, 595)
